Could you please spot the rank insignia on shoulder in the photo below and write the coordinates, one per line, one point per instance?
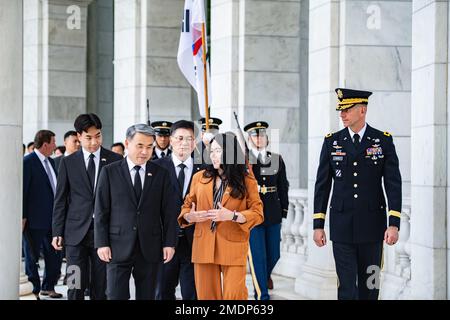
(387, 134)
(329, 135)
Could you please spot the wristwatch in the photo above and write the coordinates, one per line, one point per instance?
(235, 216)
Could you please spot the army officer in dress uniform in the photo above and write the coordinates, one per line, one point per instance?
(357, 158)
(270, 172)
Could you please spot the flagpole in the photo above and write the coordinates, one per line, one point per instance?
(205, 77)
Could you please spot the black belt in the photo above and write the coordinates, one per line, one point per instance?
(263, 189)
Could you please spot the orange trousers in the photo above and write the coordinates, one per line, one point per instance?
(210, 286)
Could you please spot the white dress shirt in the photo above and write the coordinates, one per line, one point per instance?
(131, 166)
(187, 171)
(159, 151)
(361, 132)
(86, 155)
(263, 153)
(42, 159)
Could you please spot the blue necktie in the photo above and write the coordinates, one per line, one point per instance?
(49, 174)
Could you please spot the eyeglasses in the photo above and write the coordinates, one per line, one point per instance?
(181, 138)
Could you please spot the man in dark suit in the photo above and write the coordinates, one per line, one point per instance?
(181, 168)
(359, 159)
(39, 186)
(136, 218)
(72, 145)
(73, 219)
(162, 139)
(270, 172)
(119, 148)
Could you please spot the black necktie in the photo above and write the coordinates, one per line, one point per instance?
(137, 183)
(163, 154)
(260, 158)
(181, 177)
(356, 140)
(91, 170)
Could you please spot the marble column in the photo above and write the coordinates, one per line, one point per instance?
(25, 286)
(146, 40)
(361, 45)
(11, 15)
(100, 67)
(255, 70)
(429, 144)
(55, 45)
(318, 279)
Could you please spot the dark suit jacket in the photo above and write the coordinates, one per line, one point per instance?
(167, 163)
(37, 193)
(58, 162)
(120, 220)
(74, 201)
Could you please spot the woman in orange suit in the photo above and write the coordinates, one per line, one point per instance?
(224, 204)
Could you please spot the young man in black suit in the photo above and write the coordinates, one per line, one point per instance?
(73, 215)
(181, 168)
(136, 218)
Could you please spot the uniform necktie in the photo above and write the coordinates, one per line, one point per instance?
(356, 141)
(181, 177)
(163, 154)
(137, 183)
(91, 170)
(260, 158)
(49, 174)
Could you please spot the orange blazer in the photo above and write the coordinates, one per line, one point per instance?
(228, 245)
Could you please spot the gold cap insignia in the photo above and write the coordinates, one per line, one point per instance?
(340, 94)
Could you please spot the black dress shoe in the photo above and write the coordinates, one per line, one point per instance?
(270, 283)
(51, 294)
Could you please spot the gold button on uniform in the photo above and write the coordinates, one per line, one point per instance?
(355, 163)
(355, 174)
(355, 186)
(355, 196)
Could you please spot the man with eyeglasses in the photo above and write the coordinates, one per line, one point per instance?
(181, 167)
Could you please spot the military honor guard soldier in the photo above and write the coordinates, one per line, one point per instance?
(201, 153)
(270, 172)
(357, 158)
(162, 131)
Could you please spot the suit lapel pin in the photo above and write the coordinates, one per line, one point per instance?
(103, 160)
(149, 174)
